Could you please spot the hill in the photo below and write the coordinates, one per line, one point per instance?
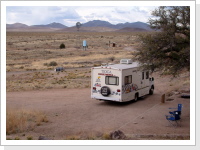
(90, 26)
(87, 29)
(52, 25)
(99, 23)
(141, 25)
(16, 25)
(128, 29)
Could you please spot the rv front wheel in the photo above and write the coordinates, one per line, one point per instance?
(136, 97)
(151, 91)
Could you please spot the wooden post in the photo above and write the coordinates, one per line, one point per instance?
(163, 98)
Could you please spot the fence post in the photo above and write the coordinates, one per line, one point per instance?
(163, 98)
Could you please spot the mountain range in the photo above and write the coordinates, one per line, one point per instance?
(91, 26)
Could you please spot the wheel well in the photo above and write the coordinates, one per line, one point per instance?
(137, 94)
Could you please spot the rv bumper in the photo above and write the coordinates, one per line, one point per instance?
(106, 98)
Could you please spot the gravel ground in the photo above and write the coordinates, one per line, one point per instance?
(71, 112)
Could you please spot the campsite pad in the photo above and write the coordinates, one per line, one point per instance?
(71, 112)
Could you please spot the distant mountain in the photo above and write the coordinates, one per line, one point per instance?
(141, 25)
(127, 29)
(91, 26)
(87, 29)
(19, 27)
(99, 23)
(52, 25)
(16, 25)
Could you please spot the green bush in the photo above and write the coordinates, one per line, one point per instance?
(62, 46)
(53, 63)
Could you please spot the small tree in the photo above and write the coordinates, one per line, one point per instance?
(53, 63)
(169, 48)
(112, 58)
(62, 46)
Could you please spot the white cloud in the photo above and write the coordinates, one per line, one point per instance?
(115, 14)
(69, 15)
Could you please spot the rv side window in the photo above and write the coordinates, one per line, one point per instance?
(128, 79)
(112, 80)
(142, 75)
(147, 75)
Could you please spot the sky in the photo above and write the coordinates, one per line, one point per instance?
(69, 15)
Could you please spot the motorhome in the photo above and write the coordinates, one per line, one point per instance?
(120, 82)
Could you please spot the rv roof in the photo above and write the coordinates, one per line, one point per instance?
(123, 66)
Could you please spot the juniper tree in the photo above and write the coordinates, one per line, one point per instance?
(167, 49)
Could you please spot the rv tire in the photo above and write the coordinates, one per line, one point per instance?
(105, 91)
(136, 97)
(151, 91)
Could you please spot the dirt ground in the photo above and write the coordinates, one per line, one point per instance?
(71, 112)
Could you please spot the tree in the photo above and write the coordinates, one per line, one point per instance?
(78, 25)
(167, 49)
(62, 46)
(53, 63)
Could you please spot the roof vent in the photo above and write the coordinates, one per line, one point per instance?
(126, 61)
(104, 64)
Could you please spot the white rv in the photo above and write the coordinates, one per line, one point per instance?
(120, 82)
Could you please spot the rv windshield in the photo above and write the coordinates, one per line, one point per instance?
(110, 80)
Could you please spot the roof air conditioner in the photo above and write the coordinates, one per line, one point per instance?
(126, 61)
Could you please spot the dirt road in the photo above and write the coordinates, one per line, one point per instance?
(72, 112)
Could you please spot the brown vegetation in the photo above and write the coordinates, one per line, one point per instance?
(32, 57)
(28, 65)
(18, 121)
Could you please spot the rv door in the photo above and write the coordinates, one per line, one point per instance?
(145, 82)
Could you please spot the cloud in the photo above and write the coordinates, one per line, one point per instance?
(69, 15)
(39, 15)
(116, 14)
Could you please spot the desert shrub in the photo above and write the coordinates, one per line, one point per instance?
(71, 75)
(106, 136)
(17, 138)
(26, 49)
(46, 64)
(22, 67)
(29, 138)
(112, 58)
(53, 63)
(62, 46)
(23, 120)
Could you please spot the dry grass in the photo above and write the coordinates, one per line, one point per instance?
(30, 54)
(47, 80)
(172, 85)
(32, 50)
(179, 84)
(23, 120)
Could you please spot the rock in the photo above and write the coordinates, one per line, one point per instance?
(175, 92)
(117, 135)
(171, 98)
(184, 90)
(185, 95)
(43, 138)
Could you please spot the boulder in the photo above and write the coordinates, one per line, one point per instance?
(43, 138)
(116, 135)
